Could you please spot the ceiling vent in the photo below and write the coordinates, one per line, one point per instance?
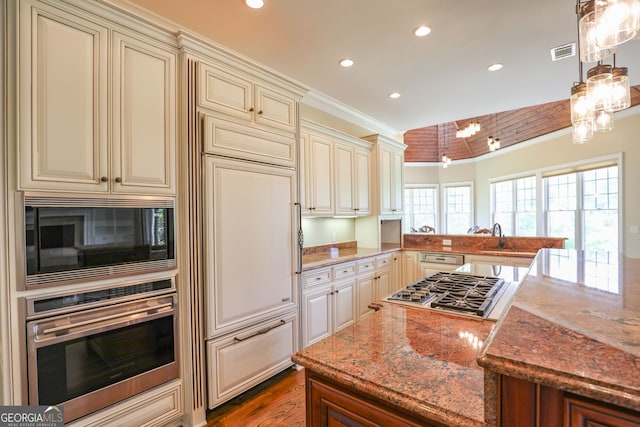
(565, 51)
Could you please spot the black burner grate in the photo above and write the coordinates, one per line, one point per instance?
(453, 291)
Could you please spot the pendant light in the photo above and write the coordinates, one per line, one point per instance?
(446, 161)
(600, 86)
(590, 51)
(620, 89)
(617, 22)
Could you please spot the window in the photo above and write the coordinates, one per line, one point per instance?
(514, 206)
(583, 206)
(458, 212)
(421, 207)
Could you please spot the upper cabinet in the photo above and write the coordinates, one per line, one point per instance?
(335, 172)
(389, 180)
(240, 95)
(80, 131)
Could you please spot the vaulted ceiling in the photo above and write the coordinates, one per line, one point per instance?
(428, 144)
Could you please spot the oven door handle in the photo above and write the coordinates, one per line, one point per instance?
(71, 326)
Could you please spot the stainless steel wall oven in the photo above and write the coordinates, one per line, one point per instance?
(71, 238)
(91, 349)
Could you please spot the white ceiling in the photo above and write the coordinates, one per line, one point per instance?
(442, 77)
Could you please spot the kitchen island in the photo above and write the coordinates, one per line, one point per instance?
(573, 329)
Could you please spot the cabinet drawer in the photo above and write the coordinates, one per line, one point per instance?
(344, 270)
(365, 265)
(383, 261)
(316, 277)
(248, 357)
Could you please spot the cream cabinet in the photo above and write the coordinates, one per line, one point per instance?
(244, 359)
(316, 175)
(352, 186)
(328, 301)
(231, 139)
(235, 196)
(389, 165)
(410, 267)
(335, 172)
(98, 106)
(236, 93)
(373, 282)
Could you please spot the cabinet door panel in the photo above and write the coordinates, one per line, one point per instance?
(344, 298)
(225, 92)
(258, 200)
(317, 318)
(144, 117)
(362, 180)
(275, 109)
(63, 85)
(344, 179)
(366, 294)
(321, 165)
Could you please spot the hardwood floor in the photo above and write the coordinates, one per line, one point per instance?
(278, 401)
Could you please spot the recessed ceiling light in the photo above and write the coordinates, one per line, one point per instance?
(254, 4)
(394, 95)
(495, 67)
(346, 62)
(422, 31)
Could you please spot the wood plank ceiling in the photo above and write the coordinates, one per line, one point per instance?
(512, 127)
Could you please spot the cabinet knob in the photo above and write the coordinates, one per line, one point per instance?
(104, 179)
(337, 291)
(260, 112)
(118, 179)
(251, 109)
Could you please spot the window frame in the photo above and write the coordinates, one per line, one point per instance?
(435, 187)
(444, 205)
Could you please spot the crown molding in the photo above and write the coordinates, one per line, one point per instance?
(336, 108)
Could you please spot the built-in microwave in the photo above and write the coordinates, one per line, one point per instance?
(67, 238)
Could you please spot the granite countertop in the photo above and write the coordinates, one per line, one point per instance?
(413, 358)
(311, 262)
(574, 324)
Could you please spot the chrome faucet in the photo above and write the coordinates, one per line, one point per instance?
(497, 230)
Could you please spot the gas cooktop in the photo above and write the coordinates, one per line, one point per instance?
(457, 293)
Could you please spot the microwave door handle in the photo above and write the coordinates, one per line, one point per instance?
(101, 319)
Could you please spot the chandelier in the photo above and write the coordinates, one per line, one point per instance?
(469, 130)
(602, 26)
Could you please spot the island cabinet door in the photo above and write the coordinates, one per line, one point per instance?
(526, 404)
(330, 404)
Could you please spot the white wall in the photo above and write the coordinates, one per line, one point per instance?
(545, 152)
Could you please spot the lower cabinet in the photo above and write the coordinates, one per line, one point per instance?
(498, 260)
(332, 404)
(527, 404)
(410, 267)
(327, 309)
(238, 362)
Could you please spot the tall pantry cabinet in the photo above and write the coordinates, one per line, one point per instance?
(246, 127)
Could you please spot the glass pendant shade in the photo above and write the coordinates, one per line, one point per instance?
(580, 103)
(616, 22)
(582, 131)
(620, 90)
(590, 51)
(599, 86)
(603, 121)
